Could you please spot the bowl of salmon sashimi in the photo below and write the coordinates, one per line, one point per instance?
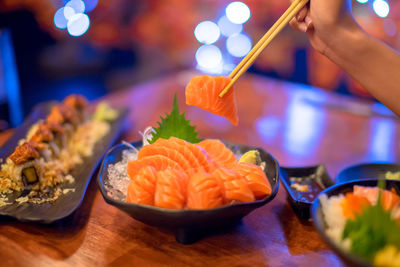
(174, 180)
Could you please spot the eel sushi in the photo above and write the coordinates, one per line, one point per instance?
(52, 148)
(26, 167)
(43, 142)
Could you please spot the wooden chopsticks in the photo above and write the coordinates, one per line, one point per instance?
(248, 60)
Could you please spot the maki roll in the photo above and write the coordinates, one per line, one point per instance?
(79, 103)
(52, 148)
(27, 167)
(65, 116)
(60, 138)
(43, 141)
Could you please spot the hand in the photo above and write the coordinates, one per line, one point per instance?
(322, 20)
(333, 31)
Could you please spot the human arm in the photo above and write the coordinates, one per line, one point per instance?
(333, 31)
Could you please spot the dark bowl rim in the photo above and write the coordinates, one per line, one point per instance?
(362, 165)
(115, 202)
(320, 225)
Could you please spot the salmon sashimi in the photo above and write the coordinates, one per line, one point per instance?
(209, 163)
(159, 162)
(234, 186)
(196, 156)
(171, 189)
(353, 204)
(204, 192)
(171, 153)
(198, 152)
(181, 148)
(175, 174)
(142, 187)
(256, 179)
(203, 92)
(218, 152)
(389, 199)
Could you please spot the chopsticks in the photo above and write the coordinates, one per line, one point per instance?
(248, 60)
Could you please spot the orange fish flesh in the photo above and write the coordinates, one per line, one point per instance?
(203, 92)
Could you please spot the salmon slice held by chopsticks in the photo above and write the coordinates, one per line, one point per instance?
(203, 92)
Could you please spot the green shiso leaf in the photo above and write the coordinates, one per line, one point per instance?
(175, 124)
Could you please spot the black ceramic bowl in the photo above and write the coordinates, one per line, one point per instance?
(367, 171)
(319, 221)
(189, 225)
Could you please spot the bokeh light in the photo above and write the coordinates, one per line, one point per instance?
(78, 24)
(69, 12)
(228, 28)
(72, 17)
(362, 1)
(207, 32)
(90, 5)
(208, 56)
(59, 19)
(229, 67)
(381, 8)
(237, 12)
(238, 45)
(77, 5)
(218, 70)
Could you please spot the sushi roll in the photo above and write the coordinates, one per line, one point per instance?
(27, 167)
(51, 149)
(43, 142)
(64, 115)
(60, 138)
(79, 103)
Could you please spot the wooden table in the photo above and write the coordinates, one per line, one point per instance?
(298, 126)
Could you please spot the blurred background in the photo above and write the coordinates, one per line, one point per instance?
(51, 48)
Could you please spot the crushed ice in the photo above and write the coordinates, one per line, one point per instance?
(118, 179)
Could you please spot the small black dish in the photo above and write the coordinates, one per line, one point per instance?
(315, 177)
(366, 171)
(189, 225)
(319, 221)
(66, 204)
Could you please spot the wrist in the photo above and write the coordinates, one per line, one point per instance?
(345, 42)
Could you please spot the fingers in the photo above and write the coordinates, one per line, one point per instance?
(302, 22)
(308, 22)
(302, 14)
(299, 26)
